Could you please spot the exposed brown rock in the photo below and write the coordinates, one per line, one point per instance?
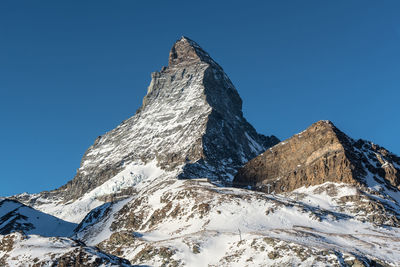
(320, 154)
(183, 51)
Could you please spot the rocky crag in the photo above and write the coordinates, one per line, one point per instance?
(321, 153)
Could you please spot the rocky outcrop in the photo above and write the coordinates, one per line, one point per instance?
(320, 154)
(381, 164)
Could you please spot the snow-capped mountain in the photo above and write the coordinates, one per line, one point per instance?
(157, 190)
(191, 119)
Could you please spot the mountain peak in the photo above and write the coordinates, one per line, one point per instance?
(186, 51)
(191, 122)
(324, 123)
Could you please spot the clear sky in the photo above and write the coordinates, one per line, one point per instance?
(73, 70)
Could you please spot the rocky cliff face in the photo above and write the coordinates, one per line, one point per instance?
(321, 153)
(191, 118)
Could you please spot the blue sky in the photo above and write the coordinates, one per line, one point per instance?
(73, 70)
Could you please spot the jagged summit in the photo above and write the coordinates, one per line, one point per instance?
(187, 51)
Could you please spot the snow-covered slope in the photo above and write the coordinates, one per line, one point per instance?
(20, 250)
(195, 223)
(15, 216)
(124, 183)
